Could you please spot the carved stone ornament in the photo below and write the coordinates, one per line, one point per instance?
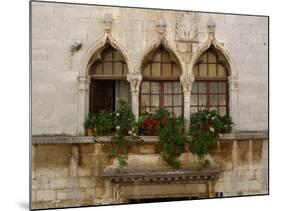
(187, 27)
(211, 25)
(107, 20)
(186, 83)
(135, 81)
(161, 25)
(233, 82)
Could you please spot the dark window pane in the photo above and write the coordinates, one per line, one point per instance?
(145, 100)
(177, 100)
(168, 87)
(145, 87)
(154, 87)
(194, 87)
(202, 87)
(213, 100)
(213, 87)
(194, 100)
(222, 100)
(168, 100)
(177, 87)
(202, 100)
(222, 87)
(155, 69)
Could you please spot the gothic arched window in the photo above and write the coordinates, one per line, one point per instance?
(210, 88)
(161, 86)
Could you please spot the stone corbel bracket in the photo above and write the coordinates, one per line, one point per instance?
(107, 21)
(161, 26)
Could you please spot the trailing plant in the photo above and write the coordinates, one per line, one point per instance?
(205, 127)
(125, 132)
(172, 136)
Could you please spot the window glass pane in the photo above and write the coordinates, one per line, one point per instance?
(165, 56)
(168, 100)
(157, 57)
(107, 54)
(202, 87)
(213, 87)
(176, 70)
(193, 110)
(203, 70)
(167, 69)
(194, 87)
(107, 68)
(155, 100)
(212, 57)
(125, 69)
(177, 87)
(177, 100)
(202, 100)
(146, 71)
(213, 99)
(168, 87)
(212, 70)
(222, 111)
(155, 69)
(142, 110)
(98, 69)
(222, 87)
(221, 71)
(194, 100)
(145, 87)
(145, 100)
(195, 71)
(222, 100)
(154, 87)
(118, 68)
(177, 111)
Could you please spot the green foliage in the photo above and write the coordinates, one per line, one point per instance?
(204, 128)
(104, 123)
(125, 125)
(90, 121)
(172, 140)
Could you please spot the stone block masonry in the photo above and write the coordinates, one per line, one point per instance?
(57, 181)
(55, 72)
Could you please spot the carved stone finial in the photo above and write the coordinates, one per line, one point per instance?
(107, 20)
(211, 25)
(161, 25)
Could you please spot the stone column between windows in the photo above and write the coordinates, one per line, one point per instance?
(234, 100)
(83, 102)
(186, 82)
(135, 81)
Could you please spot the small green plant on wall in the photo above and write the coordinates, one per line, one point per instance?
(205, 127)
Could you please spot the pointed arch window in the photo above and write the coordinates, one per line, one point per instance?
(161, 86)
(108, 84)
(210, 88)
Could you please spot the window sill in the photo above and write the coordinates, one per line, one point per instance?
(143, 139)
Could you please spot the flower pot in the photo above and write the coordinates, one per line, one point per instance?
(90, 132)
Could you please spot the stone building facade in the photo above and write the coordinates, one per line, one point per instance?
(67, 39)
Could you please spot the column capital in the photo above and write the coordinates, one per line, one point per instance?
(186, 82)
(135, 81)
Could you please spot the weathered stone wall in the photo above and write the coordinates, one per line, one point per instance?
(55, 71)
(66, 175)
